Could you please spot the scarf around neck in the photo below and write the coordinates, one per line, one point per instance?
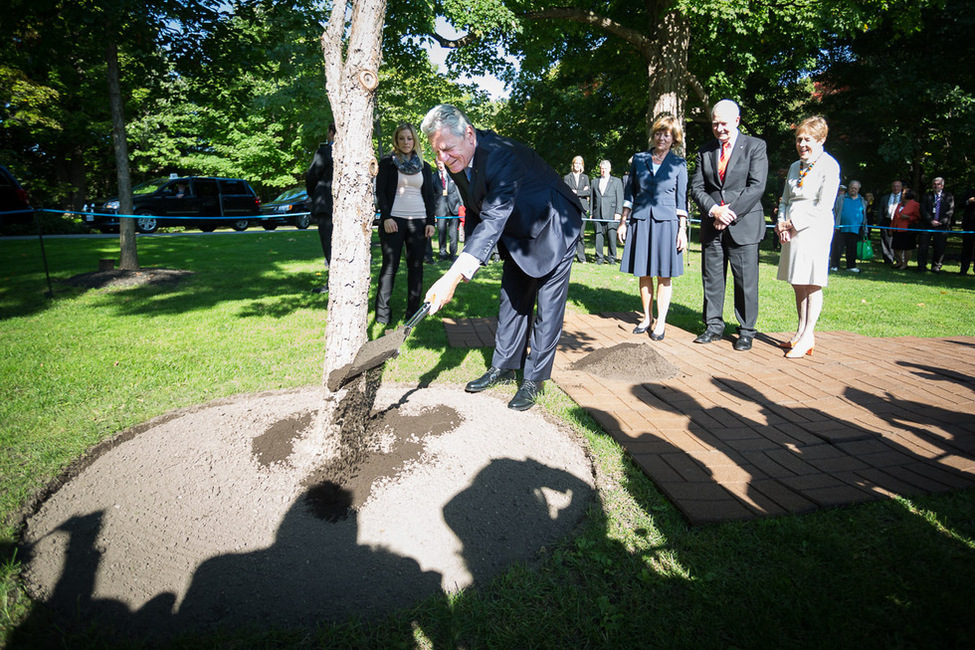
(411, 166)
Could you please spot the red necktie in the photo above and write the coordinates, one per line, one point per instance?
(723, 160)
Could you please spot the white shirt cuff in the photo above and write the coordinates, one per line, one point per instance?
(467, 265)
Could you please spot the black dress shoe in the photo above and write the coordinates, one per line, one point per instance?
(640, 329)
(657, 337)
(708, 337)
(526, 396)
(744, 343)
(492, 377)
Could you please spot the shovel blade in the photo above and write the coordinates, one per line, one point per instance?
(371, 355)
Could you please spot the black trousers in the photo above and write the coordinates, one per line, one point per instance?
(409, 233)
(967, 251)
(844, 241)
(605, 231)
(447, 228)
(937, 241)
(717, 255)
(324, 233)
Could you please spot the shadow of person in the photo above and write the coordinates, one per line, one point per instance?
(314, 572)
(70, 609)
(511, 510)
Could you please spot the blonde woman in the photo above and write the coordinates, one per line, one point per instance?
(407, 203)
(805, 228)
(653, 224)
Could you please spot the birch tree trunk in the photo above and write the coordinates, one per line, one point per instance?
(351, 46)
(128, 254)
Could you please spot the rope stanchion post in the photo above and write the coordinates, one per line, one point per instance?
(40, 238)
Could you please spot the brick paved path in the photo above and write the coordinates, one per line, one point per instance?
(739, 435)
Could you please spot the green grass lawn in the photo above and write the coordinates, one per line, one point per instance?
(81, 366)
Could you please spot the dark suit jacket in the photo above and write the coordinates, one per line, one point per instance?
(517, 199)
(880, 208)
(657, 196)
(947, 212)
(318, 180)
(742, 189)
(447, 205)
(608, 204)
(582, 189)
(386, 181)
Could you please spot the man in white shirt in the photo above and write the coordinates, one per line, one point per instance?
(885, 212)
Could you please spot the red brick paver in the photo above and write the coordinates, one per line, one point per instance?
(739, 435)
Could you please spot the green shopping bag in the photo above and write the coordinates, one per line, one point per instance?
(864, 250)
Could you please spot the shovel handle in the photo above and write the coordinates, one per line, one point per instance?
(417, 317)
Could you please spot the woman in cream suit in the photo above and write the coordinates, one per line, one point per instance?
(805, 228)
(653, 224)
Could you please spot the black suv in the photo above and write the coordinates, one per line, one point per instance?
(190, 201)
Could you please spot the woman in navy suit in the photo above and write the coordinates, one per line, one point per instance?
(654, 222)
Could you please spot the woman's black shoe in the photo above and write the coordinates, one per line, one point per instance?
(640, 329)
(657, 337)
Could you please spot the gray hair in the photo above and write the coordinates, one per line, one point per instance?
(726, 106)
(607, 162)
(445, 116)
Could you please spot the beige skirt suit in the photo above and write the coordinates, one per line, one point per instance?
(809, 205)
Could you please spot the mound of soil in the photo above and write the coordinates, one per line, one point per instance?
(118, 279)
(226, 514)
(635, 362)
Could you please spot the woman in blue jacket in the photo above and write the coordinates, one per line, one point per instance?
(653, 224)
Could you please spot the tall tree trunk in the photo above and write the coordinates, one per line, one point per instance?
(667, 67)
(352, 55)
(128, 256)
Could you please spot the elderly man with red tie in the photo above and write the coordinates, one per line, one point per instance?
(727, 186)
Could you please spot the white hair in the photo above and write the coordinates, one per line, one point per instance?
(445, 116)
(726, 107)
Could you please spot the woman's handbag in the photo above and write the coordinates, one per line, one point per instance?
(864, 250)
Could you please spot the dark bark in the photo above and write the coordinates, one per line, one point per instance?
(128, 255)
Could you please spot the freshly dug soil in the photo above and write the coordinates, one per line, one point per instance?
(226, 514)
(635, 362)
(117, 279)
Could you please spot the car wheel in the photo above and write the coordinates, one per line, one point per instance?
(146, 223)
(240, 224)
(269, 226)
(302, 222)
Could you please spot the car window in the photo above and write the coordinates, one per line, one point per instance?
(205, 187)
(293, 193)
(231, 186)
(177, 189)
(148, 187)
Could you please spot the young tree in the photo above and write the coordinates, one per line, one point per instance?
(351, 45)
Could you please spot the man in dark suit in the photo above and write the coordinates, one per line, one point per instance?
(938, 214)
(727, 186)
(448, 207)
(885, 212)
(517, 202)
(318, 184)
(607, 205)
(578, 182)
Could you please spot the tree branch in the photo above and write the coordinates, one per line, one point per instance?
(631, 36)
(466, 39)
